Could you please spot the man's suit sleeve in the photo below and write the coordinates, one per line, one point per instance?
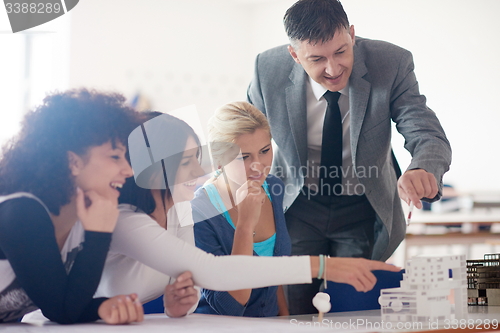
(254, 93)
(424, 137)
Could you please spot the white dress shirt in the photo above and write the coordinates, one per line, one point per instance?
(316, 110)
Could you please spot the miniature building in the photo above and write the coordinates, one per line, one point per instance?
(425, 291)
(483, 280)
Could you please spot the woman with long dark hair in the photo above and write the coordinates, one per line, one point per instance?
(167, 207)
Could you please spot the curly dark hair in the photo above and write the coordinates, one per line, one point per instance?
(36, 160)
(177, 133)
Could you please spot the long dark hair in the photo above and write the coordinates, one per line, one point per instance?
(36, 160)
(177, 133)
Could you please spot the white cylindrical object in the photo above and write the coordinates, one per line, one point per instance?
(322, 302)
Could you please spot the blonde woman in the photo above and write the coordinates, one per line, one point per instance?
(249, 218)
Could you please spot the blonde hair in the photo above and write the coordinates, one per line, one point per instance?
(229, 122)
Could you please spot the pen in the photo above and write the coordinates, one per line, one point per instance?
(409, 213)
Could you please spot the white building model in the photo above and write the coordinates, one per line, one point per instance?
(426, 291)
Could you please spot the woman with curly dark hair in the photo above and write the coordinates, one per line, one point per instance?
(59, 181)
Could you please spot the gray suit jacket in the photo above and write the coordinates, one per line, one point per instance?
(382, 87)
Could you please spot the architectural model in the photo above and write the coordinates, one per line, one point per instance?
(483, 280)
(427, 290)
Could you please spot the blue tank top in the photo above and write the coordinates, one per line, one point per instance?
(264, 248)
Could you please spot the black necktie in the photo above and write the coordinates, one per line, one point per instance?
(331, 145)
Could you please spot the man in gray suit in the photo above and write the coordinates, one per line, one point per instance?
(359, 214)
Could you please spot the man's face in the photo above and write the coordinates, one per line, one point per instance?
(330, 63)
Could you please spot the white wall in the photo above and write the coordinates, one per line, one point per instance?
(32, 63)
(174, 52)
(202, 52)
(456, 50)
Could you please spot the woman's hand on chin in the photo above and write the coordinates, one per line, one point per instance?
(250, 197)
(96, 212)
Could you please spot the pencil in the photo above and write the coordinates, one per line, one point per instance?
(409, 213)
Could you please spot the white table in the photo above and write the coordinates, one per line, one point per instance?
(364, 321)
(474, 216)
(432, 229)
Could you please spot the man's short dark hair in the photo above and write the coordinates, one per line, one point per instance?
(314, 20)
